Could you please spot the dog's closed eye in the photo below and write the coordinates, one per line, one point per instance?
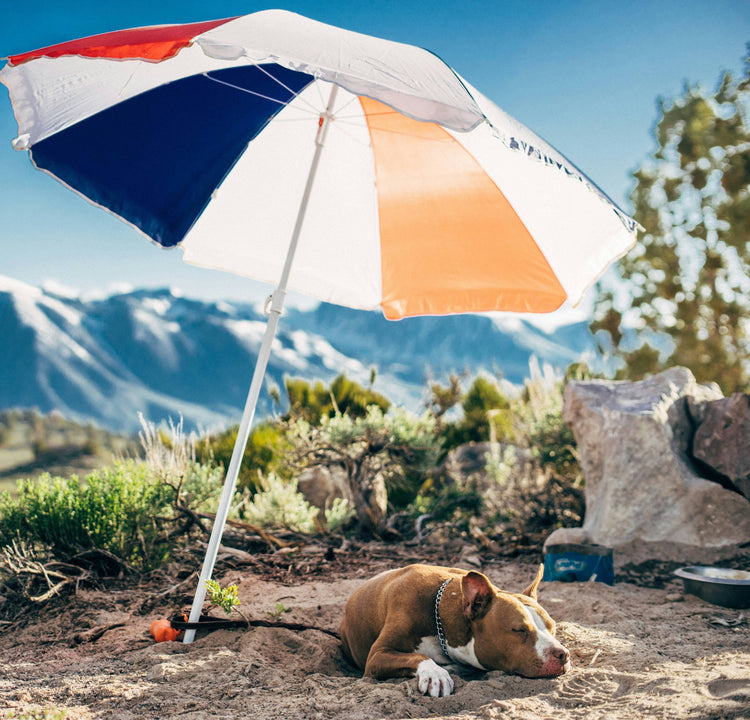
(523, 633)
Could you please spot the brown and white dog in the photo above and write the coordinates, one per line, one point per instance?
(408, 622)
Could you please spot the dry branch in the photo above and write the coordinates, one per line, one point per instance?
(17, 561)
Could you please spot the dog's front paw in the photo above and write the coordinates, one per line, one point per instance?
(433, 679)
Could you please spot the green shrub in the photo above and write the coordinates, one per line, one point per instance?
(114, 510)
(410, 437)
(201, 486)
(344, 396)
(339, 514)
(486, 412)
(402, 446)
(280, 505)
(264, 454)
(539, 425)
(453, 502)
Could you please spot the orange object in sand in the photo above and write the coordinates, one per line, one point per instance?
(163, 631)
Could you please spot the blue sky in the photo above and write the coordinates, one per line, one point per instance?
(585, 75)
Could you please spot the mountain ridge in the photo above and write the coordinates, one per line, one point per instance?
(106, 358)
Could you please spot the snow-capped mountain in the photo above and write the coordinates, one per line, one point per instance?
(106, 359)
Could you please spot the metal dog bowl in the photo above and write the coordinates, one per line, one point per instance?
(719, 586)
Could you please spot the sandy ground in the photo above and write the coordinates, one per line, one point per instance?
(638, 652)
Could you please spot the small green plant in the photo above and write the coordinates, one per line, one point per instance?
(278, 611)
(225, 598)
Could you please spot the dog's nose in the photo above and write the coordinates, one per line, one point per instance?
(557, 661)
(561, 655)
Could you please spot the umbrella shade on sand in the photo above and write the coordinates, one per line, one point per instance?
(357, 170)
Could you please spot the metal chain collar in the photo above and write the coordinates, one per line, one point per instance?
(438, 623)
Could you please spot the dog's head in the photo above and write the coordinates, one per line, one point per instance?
(512, 632)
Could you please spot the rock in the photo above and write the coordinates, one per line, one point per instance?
(471, 458)
(722, 439)
(371, 499)
(320, 485)
(158, 672)
(634, 443)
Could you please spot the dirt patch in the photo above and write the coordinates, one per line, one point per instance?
(637, 651)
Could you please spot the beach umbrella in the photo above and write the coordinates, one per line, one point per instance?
(357, 170)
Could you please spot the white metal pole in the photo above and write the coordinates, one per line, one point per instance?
(274, 313)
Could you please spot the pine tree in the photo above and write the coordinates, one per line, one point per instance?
(688, 278)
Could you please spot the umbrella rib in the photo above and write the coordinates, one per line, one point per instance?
(312, 110)
(289, 90)
(340, 128)
(350, 101)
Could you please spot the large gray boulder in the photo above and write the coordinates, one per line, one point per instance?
(634, 442)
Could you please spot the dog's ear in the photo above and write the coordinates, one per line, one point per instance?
(478, 594)
(531, 590)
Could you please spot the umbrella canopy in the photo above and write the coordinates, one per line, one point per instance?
(428, 199)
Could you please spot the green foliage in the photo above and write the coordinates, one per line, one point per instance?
(687, 279)
(539, 424)
(200, 487)
(500, 464)
(171, 460)
(226, 598)
(454, 502)
(268, 447)
(339, 514)
(402, 446)
(264, 454)
(278, 611)
(114, 510)
(307, 401)
(279, 504)
(401, 432)
(386, 455)
(130, 508)
(485, 411)
(344, 396)
(48, 713)
(443, 398)
(513, 499)
(533, 419)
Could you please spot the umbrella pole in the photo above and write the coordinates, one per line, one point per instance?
(273, 311)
